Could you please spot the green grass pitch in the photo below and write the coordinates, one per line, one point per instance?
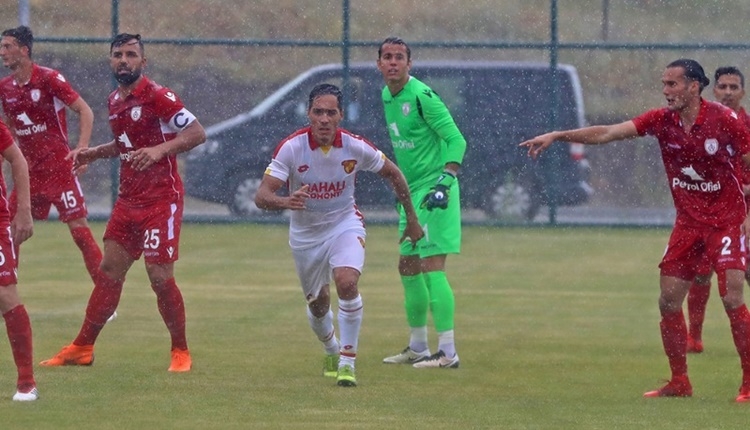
(556, 328)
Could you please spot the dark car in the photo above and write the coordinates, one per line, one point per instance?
(496, 105)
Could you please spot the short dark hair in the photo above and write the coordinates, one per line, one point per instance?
(729, 70)
(22, 34)
(322, 90)
(393, 40)
(692, 70)
(123, 38)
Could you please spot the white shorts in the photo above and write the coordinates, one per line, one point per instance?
(315, 265)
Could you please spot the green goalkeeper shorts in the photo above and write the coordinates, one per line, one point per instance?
(442, 227)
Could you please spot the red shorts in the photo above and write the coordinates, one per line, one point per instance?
(694, 248)
(64, 192)
(153, 231)
(704, 266)
(7, 258)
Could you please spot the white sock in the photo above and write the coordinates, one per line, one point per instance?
(350, 321)
(446, 343)
(418, 339)
(323, 328)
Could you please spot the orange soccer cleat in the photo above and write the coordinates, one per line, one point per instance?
(72, 355)
(181, 361)
(679, 386)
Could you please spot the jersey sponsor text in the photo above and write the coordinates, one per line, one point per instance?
(706, 187)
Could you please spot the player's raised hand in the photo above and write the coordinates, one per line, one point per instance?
(538, 144)
(297, 199)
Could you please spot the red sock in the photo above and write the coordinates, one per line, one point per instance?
(172, 310)
(92, 255)
(696, 305)
(19, 334)
(739, 320)
(674, 338)
(102, 303)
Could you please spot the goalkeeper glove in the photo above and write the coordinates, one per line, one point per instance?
(438, 195)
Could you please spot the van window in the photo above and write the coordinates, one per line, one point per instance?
(516, 102)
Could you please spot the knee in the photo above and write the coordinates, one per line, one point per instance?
(732, 299)
(346, 284)
(669, 304)
(319, 307)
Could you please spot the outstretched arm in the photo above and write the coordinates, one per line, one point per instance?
(594, 135)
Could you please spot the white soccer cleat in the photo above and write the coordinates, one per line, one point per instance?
(438, 360)
(26, 397)
(407, 356)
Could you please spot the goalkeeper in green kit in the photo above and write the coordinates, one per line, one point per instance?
(429, 149)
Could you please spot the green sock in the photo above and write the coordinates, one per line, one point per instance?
(416, 300)
(442, 302)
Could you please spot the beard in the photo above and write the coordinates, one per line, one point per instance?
(128, 78)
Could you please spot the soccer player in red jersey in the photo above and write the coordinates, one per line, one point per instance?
(729, 89)
(34, 100)
(700, 141)
(150, 126)
(13, 231)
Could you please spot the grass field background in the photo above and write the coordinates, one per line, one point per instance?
(556, 328)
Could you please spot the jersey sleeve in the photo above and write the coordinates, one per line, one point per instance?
(437, 116)
(371, 157)
(644, 123)
(61, 88)
(171, 111)
(6, 139)
(281, 163)
(740, 134)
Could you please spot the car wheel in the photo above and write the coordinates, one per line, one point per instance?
(512, 201)
(242, 202)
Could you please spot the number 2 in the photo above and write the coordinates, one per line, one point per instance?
(727, 242)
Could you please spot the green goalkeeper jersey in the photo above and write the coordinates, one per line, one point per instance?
(423, 133)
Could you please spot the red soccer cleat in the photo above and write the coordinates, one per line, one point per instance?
(679, 386)
(694, 346)
(744, 396)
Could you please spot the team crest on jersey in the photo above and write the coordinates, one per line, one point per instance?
(406, 108)
(35, 95)
(711, 146)
(349, 165)
(135, 113)
(303, 168)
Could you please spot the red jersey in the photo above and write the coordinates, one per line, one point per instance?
(742, 169)
(699, 164)
(6, 141)
(147, 117)
(37, 111)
